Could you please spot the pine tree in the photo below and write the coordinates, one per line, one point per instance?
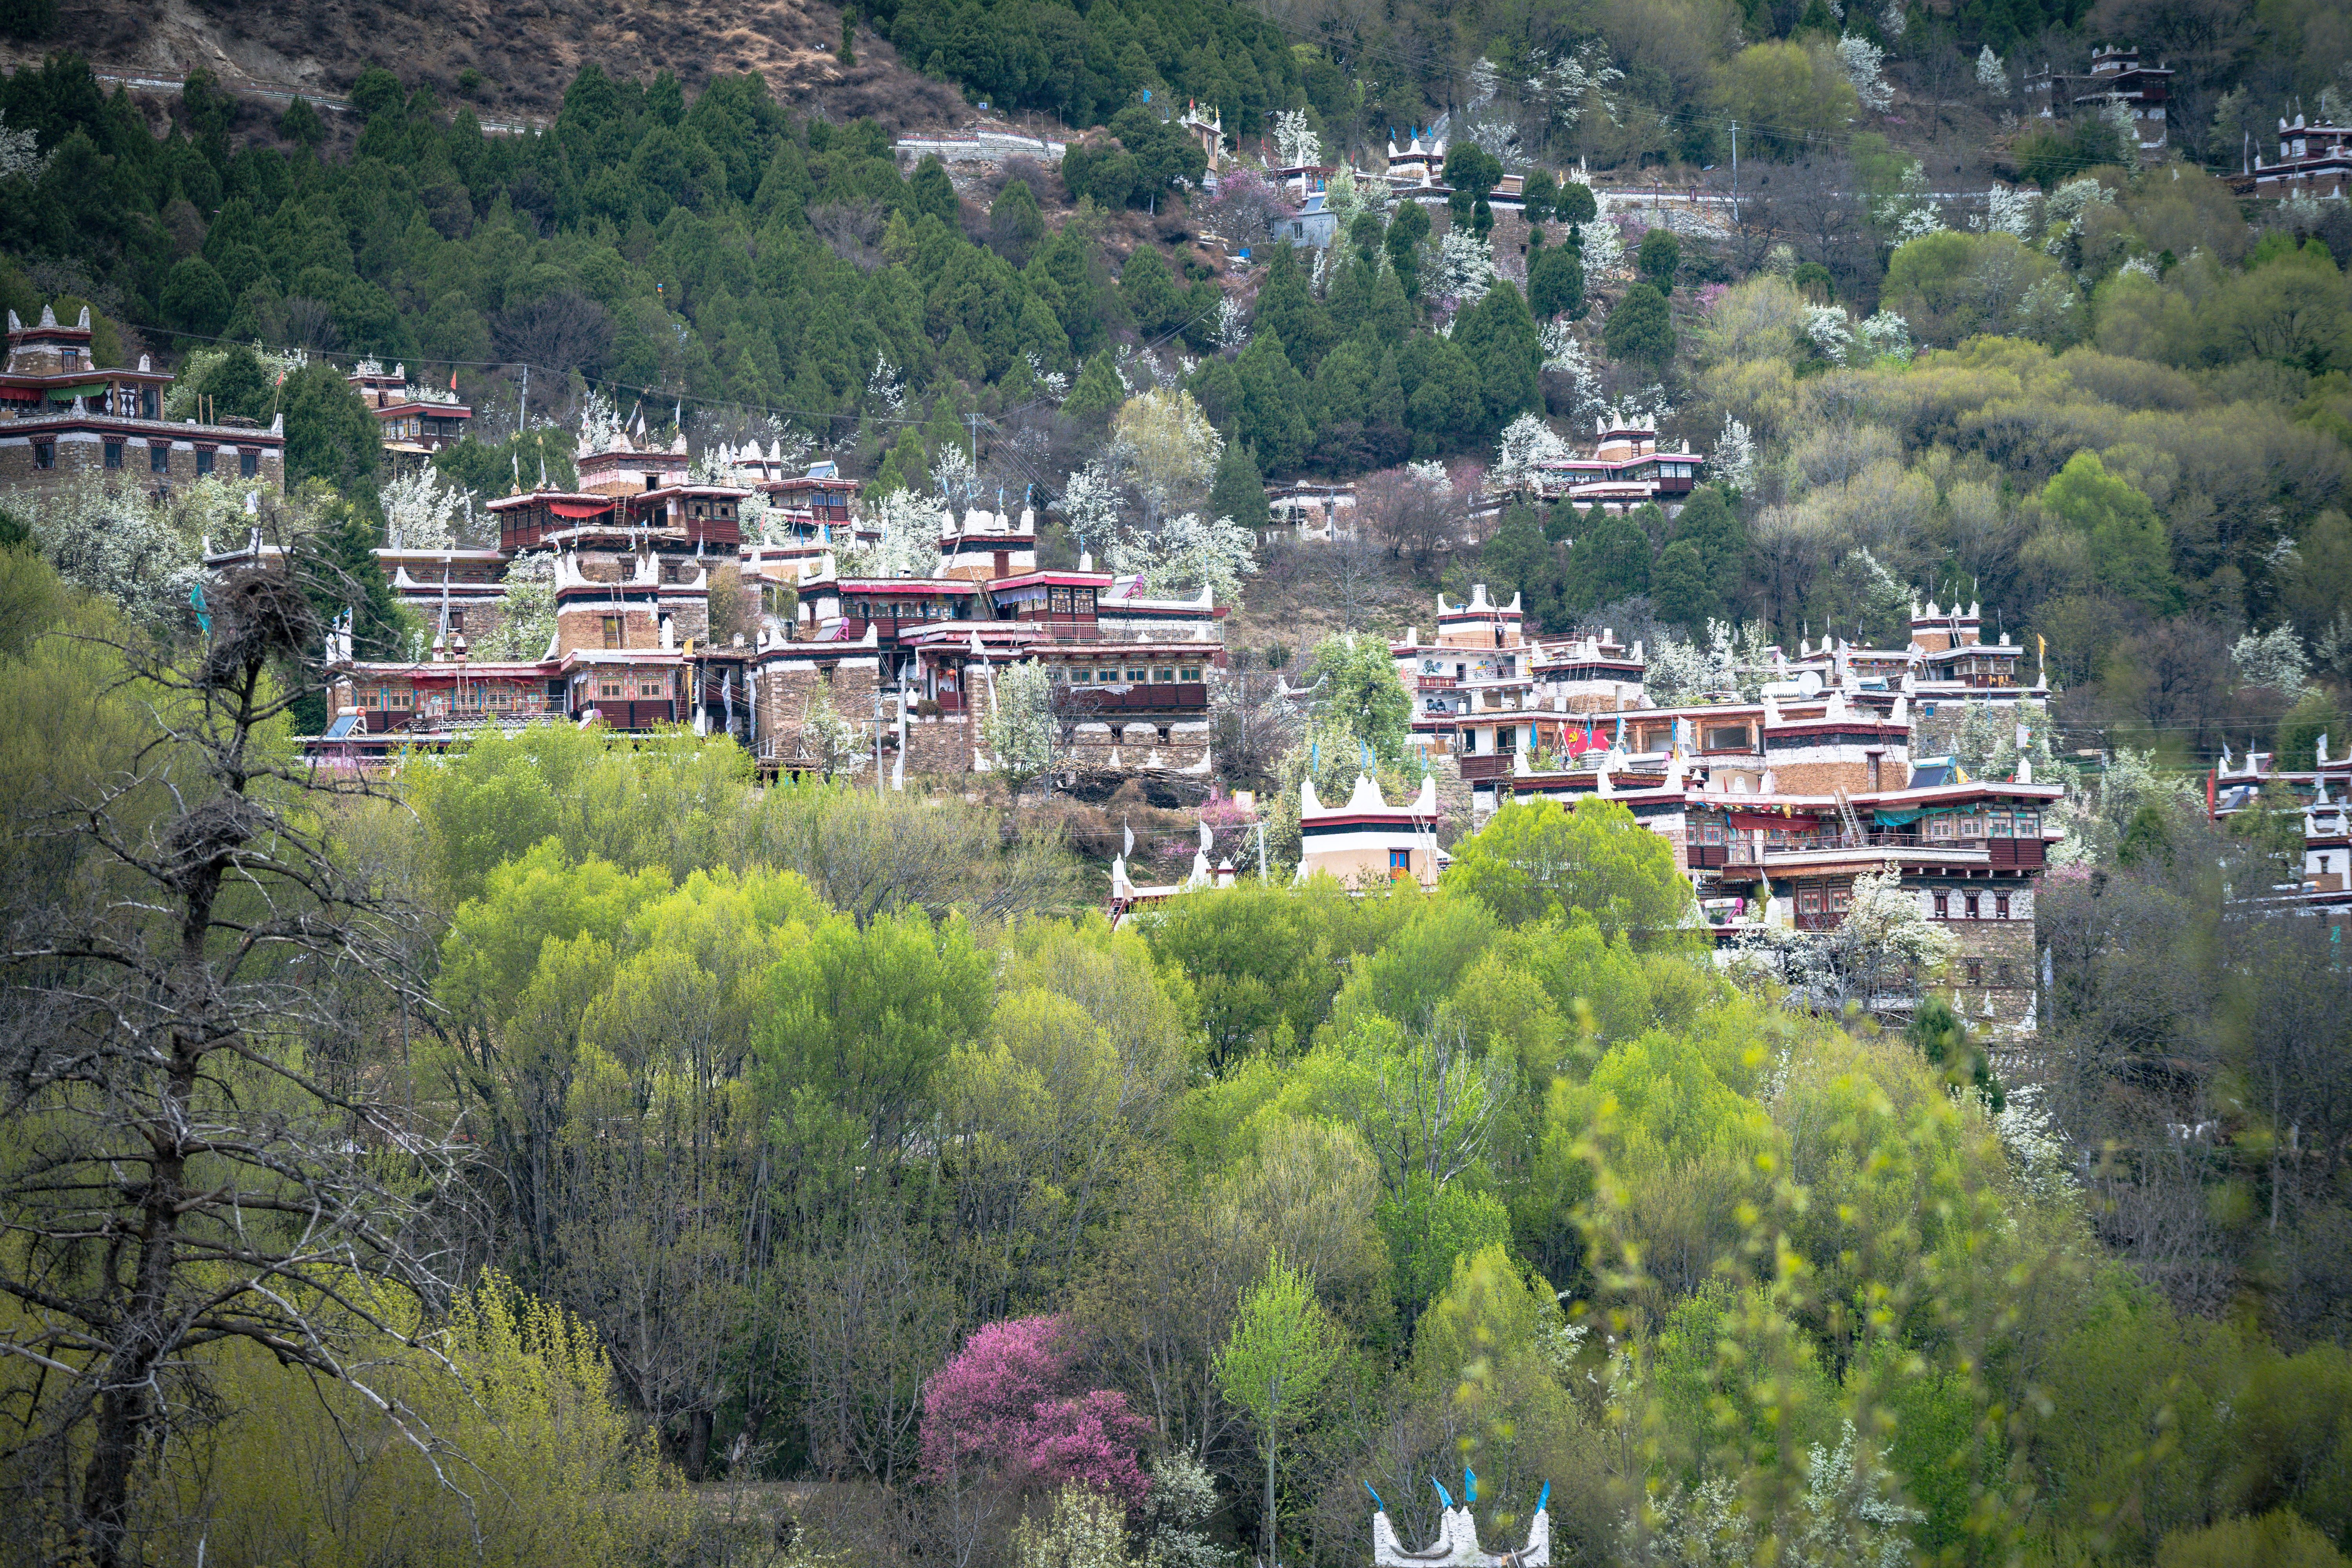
(1098, 392)
(1685, 595)
(1274, 402)
(1556, 284)
(932, 192)
(1287, 308)
(1506, 354)
(1641, 329)
(1149, 293)
(1239, 491)
(1384, 418)
(1708, 524)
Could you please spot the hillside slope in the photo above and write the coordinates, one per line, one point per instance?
(526, 53)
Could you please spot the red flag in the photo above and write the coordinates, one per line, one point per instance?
(453, 378)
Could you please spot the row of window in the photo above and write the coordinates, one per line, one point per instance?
(1164, 675)
(1974, 906)
(926, 609)
(159, 458)
(644, 683)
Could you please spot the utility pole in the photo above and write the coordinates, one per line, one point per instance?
(878, 731)
(1735, 171)
(973, 419)
(522, 409)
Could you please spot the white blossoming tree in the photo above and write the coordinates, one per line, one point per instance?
(2067, 207)
(1679, 673)
(420, 512)
(1887, 335)
(1527, 441)
(2273, 659)
(120, 545)
(909, 541)
(1295, 141)
(527, 617)
(1021, 728)
(1562, 84)
(2010, 209)
(1188, 554)
(1092, 504)
(1828, 329)
(19, 160)
(1465, 268)
(1991, 75)
(1883, 948)
(1865, 67)
(1735, 455)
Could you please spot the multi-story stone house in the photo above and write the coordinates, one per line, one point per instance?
(63, 415)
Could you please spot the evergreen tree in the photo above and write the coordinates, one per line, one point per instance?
(1641, 329)
(1016, 226)
(1287, 308)
(329, 434)
(1407, 232)
(1274, 402)
(1392, 314)
(1706, 524)
(1506, 354)
(1447, 409)
(932, 192)
(1385, 436)
(1658, 259)
(1148, 291)
(1685, 595)
(1556, 284)
(1239, 491)
(1099, 391)
(1611, 560)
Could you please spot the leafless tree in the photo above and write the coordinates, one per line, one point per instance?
(1410, 513)
(176, 1169)
(876, 1318)
(565, 331)
(1254, 726)
(310, 324)
(1349, 565)
(852, 230)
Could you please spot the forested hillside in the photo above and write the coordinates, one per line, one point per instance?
(544, 1155)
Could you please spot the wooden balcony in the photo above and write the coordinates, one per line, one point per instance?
(1081, 701)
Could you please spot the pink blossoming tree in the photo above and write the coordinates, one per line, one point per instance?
(1006, 1410)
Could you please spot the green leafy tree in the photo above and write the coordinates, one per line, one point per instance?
(1272, 417)
(1283, 1350)
(1610, 561)
(1708, 525)
(932, 192)
(1641, 329)
(1537, 860)
(2127, 550)
(1362, 694)
(1575, 204)
(2314, 715)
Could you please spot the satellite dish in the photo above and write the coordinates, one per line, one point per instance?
(1809, 683)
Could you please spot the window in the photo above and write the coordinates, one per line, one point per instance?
(204, 461)
(114, 454)
(1975, 972)
(1163, 735)
(1082, 676)
(1939, 828)
(1399, 859)
(1968, 906)
(249, 465)
(45, 454)
(608, 683)
(159, 458)
(1727, 738)
(613, 639)
(1139, 677)
(1165, 677)
(1189, 674)
(2029, 824)
(1106, 676)
(1943, 906)
(1809, 900)
(2000, 820)
(2000, 906)
(1060, 602)
(1711, 833)
(73, 359)
(653, 685)
(457, 622)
